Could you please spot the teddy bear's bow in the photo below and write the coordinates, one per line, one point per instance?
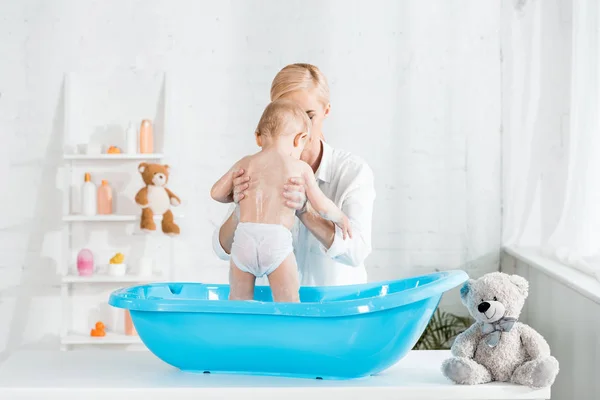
(495, 329)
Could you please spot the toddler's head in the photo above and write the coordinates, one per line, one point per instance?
(286, 124)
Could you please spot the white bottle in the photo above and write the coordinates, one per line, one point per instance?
(89, 199)
(131, 139)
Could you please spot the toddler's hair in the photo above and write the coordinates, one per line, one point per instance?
(283, 117)
(300, 76)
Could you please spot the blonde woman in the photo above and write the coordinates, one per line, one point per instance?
(324, 258)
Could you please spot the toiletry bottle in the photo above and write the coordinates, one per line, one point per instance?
(85, 262)
(129, 328)
(131, 139)
(88, 196)
(146, 138)
(105, 198)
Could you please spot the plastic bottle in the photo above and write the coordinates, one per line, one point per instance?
(131, 139)
(105, 198)
(85, 262)
(146, 137)
(88, 196)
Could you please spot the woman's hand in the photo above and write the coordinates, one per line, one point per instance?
(295, 194)
(240, 185)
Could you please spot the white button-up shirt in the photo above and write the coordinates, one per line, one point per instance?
(348, 182)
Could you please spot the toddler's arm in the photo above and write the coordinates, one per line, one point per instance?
(222, 190)
(323, 205)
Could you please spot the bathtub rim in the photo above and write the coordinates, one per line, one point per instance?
(445, 281)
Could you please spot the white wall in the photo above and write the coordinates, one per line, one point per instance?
(415, 91)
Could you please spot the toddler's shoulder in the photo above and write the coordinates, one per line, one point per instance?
(245, 161)
(300, 166)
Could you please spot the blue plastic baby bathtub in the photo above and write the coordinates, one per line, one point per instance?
(338, 332)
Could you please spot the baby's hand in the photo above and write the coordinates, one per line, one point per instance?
(344, 224)
(339, 218)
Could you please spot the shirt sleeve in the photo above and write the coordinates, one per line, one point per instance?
(357, 204)
(216, 243)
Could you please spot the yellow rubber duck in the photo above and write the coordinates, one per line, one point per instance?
(117, 259)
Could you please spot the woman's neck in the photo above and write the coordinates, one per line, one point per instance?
(315, 155)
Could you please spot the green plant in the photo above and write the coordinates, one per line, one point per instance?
(441, 331)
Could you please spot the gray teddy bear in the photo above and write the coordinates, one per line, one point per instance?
(497, 347)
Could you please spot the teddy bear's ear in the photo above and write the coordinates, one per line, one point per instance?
(168, 168)
(142, 167)
(465, 289)
(520, 283)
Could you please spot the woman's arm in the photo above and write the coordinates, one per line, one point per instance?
(326, 208)
(357, 205)
(223, 236)
(295, 195)
(319, 227)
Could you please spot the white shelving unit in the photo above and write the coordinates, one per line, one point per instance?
(126, 164)
(104, 278)
(74, 338)
(104, 218)
(113, 157)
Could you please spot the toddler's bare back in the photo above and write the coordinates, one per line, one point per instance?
(264, 203)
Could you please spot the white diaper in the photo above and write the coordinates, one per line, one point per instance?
(260, 248)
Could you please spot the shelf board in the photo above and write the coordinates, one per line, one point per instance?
(101, 218)
(105, 278)
(122, 156)
(110, 338)
(109, 218)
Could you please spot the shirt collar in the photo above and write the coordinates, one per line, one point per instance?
(324, 171)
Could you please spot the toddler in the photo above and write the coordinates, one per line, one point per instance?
(262, 242)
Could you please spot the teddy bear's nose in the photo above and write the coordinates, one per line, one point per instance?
(483, 307)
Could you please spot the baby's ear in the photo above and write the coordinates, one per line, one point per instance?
(521, 283)
(258, 138)
(300, 138)
(464, 291)
(142, 167)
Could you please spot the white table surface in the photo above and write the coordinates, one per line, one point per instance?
(113, 374)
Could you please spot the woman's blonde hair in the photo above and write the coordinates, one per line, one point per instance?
(297, 77)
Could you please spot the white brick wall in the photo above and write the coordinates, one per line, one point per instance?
(415, 92)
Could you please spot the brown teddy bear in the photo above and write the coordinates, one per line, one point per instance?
(156, 199)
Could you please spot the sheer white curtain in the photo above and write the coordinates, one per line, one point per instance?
(521, 145)
(569, 230)
(576, 240)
